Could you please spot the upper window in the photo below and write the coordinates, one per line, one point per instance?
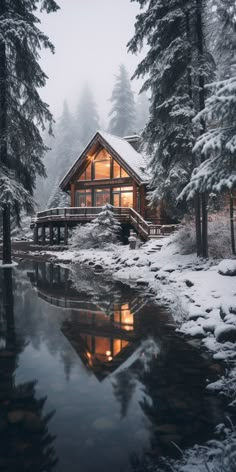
(87, 174)
(102, 165)
(118, 172)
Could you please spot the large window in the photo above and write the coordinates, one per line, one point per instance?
(102, 197)
(87, 174)
(118, 172)
(102, 165)
(124, 317)
(123, 197)
(83, 198)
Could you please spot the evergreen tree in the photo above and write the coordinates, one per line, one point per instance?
(122, 121)
(142, 112)
(222, 26)
(177, 65)
(218, 144)
(102, 231)
(65, 150)
(124, 387)
(168, 132)
(87, 119)
(22, 111)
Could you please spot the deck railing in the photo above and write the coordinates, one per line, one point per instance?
(144, 228)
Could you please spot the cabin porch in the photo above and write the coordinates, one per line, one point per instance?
(52, 226)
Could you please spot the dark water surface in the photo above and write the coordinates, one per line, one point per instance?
(93, 377)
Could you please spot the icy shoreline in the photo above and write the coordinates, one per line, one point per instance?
(202, 300)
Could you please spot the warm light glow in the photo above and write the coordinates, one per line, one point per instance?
(108, 353)
(110, 358)
(128, 327)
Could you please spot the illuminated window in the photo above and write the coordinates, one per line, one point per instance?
(103, 348)
(102, 197)
(102, 165)
(123, 197)
(124, 317)
(87, 174)
(83, 198)
(123, 173)
(118, 345)
(118, 171)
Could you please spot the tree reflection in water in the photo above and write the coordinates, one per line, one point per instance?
(116, 334)
(25, 442)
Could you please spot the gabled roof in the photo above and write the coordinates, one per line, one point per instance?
(131, 160)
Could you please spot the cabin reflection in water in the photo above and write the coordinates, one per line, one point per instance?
(102, 327)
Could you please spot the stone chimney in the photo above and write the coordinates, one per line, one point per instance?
(134, 140)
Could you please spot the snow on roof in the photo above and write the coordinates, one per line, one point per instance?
(134, 159)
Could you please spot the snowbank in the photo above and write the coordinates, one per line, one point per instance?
(201, 299)
(8, 266)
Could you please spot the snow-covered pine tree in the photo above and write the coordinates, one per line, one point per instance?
(168, 133)
(142, 112)
(86, 119)
(22, 112)
(217, 144)
(222, 26)
(122, 121)
(100, 233)
(65, 150)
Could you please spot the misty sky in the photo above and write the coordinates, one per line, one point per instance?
(90, 38)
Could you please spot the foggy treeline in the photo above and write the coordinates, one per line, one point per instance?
(73, 130)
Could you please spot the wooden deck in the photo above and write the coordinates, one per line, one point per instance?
(61, 219)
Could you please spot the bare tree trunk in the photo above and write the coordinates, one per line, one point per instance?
(3, 141)
(6, 250)
(231, 209)
(197, 203)
(204, 225)
(201, 82)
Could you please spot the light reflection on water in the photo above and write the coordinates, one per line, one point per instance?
(121, 383)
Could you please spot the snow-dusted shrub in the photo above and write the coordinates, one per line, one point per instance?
(218, 237)
(218, 455)
(100, 233)
(185, 238)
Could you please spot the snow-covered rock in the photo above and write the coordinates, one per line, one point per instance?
(227, 267)
(225, 333)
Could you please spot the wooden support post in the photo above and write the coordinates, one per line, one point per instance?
(51, 234)
(36, 234)
(43, 234)
(135, 206)
(72, 194)
(142, 201)
(58, 235)
(66, 234)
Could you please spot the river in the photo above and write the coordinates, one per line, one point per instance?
(94, 377)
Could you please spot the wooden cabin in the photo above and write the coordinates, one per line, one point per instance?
(109, 170)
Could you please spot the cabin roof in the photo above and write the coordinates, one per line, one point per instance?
(133, 161)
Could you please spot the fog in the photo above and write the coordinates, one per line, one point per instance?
(90, 38)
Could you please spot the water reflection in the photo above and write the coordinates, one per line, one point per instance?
(103, 322)
(134, 387)
(25, 441)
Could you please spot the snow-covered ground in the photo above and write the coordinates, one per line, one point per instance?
(201, 297)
